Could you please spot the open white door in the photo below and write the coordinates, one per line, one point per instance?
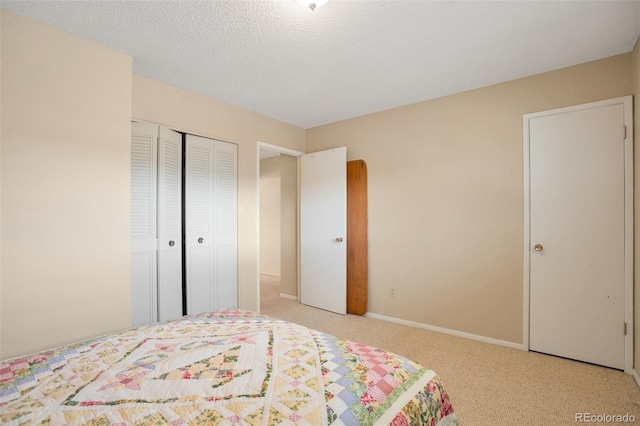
(323, 230)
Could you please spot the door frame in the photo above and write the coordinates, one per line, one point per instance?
(627, 102)
(293, 153)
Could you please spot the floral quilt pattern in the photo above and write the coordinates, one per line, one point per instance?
(226, 368)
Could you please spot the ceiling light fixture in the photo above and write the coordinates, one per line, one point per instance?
(312, 4)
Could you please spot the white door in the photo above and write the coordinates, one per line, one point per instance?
(211, 224)
(169, 225)
(199, 224)
(225, 226)
(144, 239)
(577, 234)
(323, 230)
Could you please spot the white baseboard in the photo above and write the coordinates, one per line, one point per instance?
(447, 331)
(288, 296)
(635, 376)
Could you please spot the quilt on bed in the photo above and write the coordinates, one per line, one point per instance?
(225, 368)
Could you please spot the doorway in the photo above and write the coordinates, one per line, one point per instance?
(277, 224)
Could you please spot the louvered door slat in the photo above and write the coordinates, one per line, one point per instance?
(142, 186)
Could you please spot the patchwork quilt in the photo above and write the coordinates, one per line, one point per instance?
(225, 368)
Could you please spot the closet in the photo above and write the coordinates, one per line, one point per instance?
(183, 224)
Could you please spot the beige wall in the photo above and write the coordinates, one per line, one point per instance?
(66, 111)
(67, 106)
(270, 216)
(446, 200)
(188, 112)
(289, 225)
(636, 128)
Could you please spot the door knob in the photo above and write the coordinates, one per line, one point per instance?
(172, 243)
(339, 240)
(201, 240)
(538, 247)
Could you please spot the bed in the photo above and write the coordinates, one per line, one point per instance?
(226, 368)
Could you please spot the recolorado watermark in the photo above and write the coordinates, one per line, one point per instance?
(604, 418)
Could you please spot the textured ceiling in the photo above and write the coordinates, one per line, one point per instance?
(347, 58)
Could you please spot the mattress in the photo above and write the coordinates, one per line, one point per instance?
(225, 368)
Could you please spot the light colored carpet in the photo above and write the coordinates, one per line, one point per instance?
(488, 384)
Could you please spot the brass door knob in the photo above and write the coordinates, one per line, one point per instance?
(538, 247)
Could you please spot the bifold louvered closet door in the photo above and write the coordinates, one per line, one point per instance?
(156, 223)
(158, 274)
(211, 224)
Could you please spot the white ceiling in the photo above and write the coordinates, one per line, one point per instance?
(347, 58)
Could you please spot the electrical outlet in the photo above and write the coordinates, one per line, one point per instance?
(392, 292)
